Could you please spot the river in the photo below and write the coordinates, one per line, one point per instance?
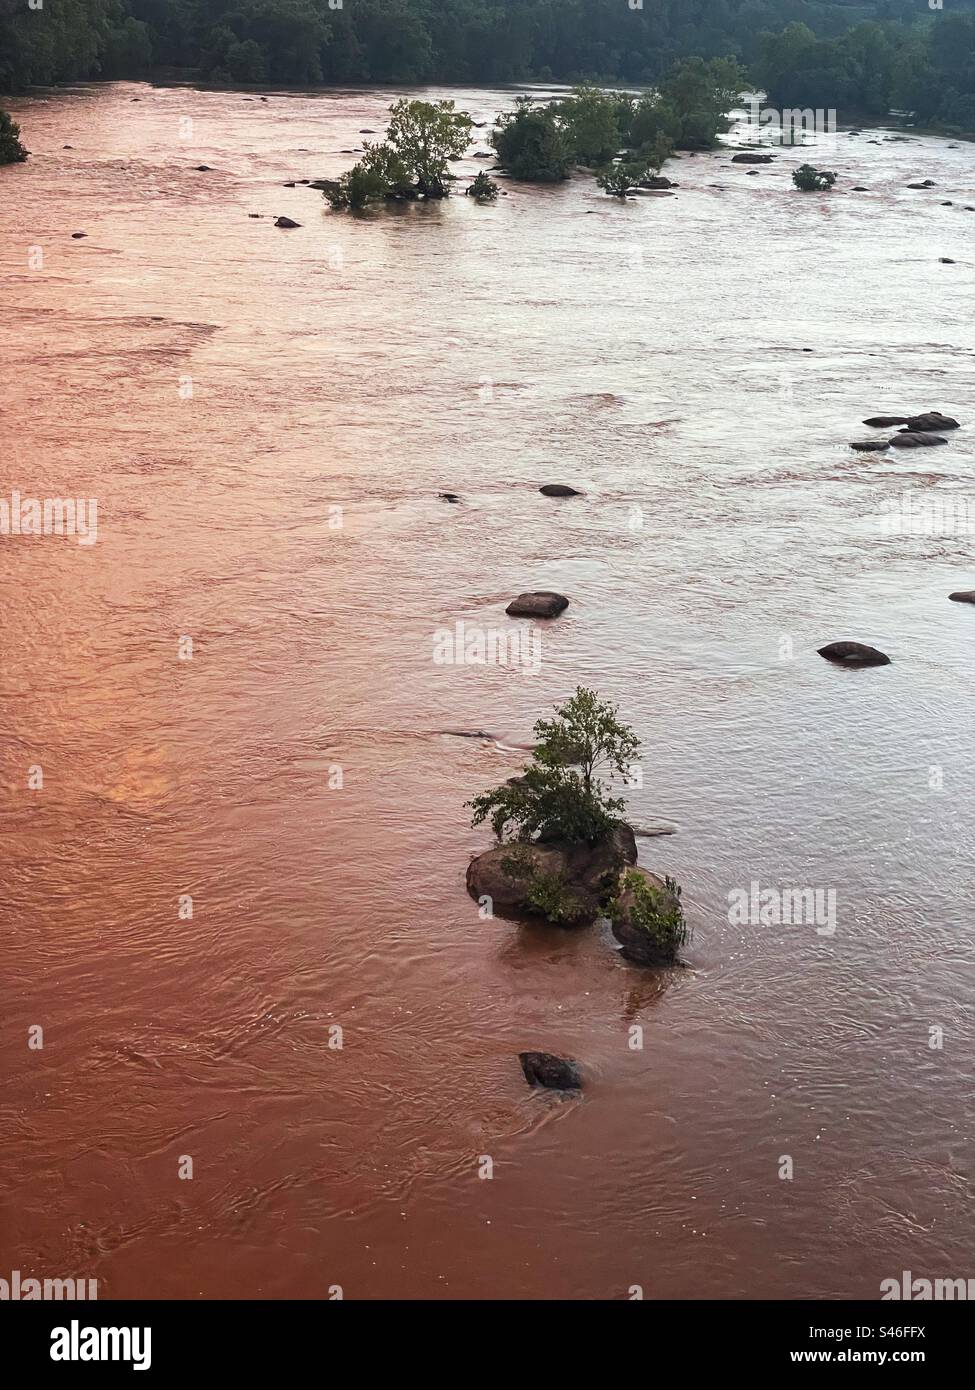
(267, 419)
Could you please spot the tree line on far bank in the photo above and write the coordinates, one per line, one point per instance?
(843, 53)
(924, 65)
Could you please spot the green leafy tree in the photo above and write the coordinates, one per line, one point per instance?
(378, 176)
(532, 145)
(484, 188)
(11, 150)
(425, 136)
(697, 94)
(560, 795)
(592, 120)
(811, 180)
(618, 179)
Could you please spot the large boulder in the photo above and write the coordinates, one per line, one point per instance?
(636, 942)
(576, 879)
(916, 439)
(596, 868)
(540, 603)
(854, 654)
(532, 881)
(931, 420)
(556, 1073)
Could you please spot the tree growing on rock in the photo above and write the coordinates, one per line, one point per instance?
(483, 189)
(808, 179)
(426, 135)
(560, 795)
(423, 137)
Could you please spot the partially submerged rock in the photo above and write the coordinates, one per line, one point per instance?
(540, 603)
(880, 422)
(568, 884)
(286, 222)
(963, 596)
(931, 420)
(854, 654)
(916, 439)
(638, 945)
(449, 497)
(869, 446)
(555, 1073)
(751, 157)
(558, 490)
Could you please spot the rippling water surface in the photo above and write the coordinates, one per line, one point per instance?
(695, 365)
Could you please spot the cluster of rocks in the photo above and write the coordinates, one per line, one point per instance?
(915, 432)
(589, 878)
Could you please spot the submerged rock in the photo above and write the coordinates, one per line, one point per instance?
(556, 1073)
(449, 497)
(916, 439)
(541, 603)
(558, 490)
(854, 654)
(963, 596)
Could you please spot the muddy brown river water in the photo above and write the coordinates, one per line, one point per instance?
(266, 419)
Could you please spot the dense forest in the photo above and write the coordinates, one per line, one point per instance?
(863, 56)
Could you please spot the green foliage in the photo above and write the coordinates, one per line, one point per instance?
(811, 180)
(484, 188)
(617, 179)
(655, 911)
(694, 99)
(425, 136)
(832, 54)
(560, 795)
(592, 121)
(380, 175)
(422, 137)
(531, 144)
(11, 150)
(927, 69)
